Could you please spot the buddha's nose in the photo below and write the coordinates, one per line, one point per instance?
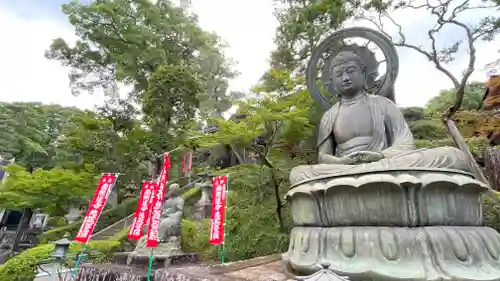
(346, 78)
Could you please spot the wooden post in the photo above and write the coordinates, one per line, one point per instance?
(462, 145)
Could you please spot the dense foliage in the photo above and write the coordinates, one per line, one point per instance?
(63, 188)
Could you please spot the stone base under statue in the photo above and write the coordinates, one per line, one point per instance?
(405, 224)
(166, 254)
(159, 261)
(398, 253)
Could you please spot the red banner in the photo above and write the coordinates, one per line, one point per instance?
(97, 204)
(187, 162)
(142, 211)
(156, 205)
(218, 210)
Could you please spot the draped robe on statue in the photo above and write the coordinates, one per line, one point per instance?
(391, 136)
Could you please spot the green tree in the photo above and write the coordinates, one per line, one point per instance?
(29, 132)
(53, 190)
(274, 126)
(137, 41)
(175, 85)
(302, 25)
(109, 142)
(413, 113)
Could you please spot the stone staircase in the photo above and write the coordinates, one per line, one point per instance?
(115, 228)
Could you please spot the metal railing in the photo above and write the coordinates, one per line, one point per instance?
(126, 221)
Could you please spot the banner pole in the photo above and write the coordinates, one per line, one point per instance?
(225, 219)
(78, 260)
(151, 263)
(77, 263)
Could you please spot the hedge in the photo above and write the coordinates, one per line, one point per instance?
(107, 218)
(23, 267)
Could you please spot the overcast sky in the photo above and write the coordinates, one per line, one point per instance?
(247, 26)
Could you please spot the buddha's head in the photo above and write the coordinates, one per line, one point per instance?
(348, 73)
(174, 190)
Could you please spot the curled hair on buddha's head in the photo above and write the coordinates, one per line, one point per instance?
(346, 56)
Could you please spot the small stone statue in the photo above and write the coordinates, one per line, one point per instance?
(170, 225)
(168, 251)
(367, 132)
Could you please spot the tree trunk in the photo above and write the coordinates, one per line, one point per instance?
(279, 205)
(462, 145)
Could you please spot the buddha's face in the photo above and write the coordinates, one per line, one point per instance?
(174, 191)
(347, 77)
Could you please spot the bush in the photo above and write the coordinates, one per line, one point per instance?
(23, 267)
(491, 210)
(413, 113)
(434, 143)
(477, 146)
(107, 218)
(428, 130)
(194, 238)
